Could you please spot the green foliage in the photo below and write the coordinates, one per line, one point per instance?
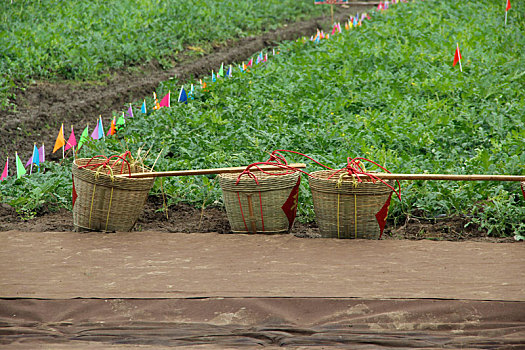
(49, 188)
(83, 39)
(386, 91)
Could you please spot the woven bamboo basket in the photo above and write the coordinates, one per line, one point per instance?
(268, 207)
(106, 202)
(345, 208)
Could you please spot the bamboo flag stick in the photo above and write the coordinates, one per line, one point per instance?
(207, 171)
(449, 177)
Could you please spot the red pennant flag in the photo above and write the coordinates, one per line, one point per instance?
(457, 58)
(74, 195)
(382, 214)
(508, 5)
(290, 206)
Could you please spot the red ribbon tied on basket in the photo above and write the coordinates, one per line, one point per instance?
(353, 168)
(107, 163)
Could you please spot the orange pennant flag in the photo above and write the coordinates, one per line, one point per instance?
(60, 141)
(113, 127)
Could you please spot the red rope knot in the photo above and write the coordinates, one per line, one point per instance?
(107, 160)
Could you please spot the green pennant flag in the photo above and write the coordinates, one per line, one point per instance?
(83, 137)
(20, 170)
(221, 71)
(121, 121)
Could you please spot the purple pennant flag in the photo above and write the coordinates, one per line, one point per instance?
(29, 161)
(130, 112)
(42, 154)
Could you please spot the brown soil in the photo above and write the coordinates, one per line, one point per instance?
(184, 218)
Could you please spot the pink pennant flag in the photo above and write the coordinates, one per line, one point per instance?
(6, 169)
(165, 102)
(250, 63)
(71, 141)
(334, 29)
(95, 135)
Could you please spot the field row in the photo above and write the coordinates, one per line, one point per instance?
(84, 39)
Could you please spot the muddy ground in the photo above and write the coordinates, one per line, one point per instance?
(188, 219)
(43, 106)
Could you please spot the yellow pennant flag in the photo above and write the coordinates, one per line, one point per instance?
(61, 141)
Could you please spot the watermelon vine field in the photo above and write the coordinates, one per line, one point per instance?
(88, 39)
(386, 91)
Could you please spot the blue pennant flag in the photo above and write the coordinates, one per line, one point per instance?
(182, 96)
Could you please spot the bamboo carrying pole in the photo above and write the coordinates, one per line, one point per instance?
(208, 171)
(449, 177)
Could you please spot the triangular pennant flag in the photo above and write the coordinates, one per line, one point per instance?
(244, 67)
(457, 58)
(74, 194)
(42, 153)
(112, 127)
(60, 141)
(213, 76)
(165, 102)
(29, 161)
(265, 57)
(36, 156)
(143, 109)
(250, 62)
(507, 8)
(95, 135)
(83, 137)
(382, 214)
(20, 170)
(6, 170)
(334, 29)
(190, 95)
(182, 96)
(35, 159)
(221, 71)
(290, 206)
(72, 141)
(121, 121)
(229, 72)
(347, 27)
(100, 128)
(156, 106)
(129, 114)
